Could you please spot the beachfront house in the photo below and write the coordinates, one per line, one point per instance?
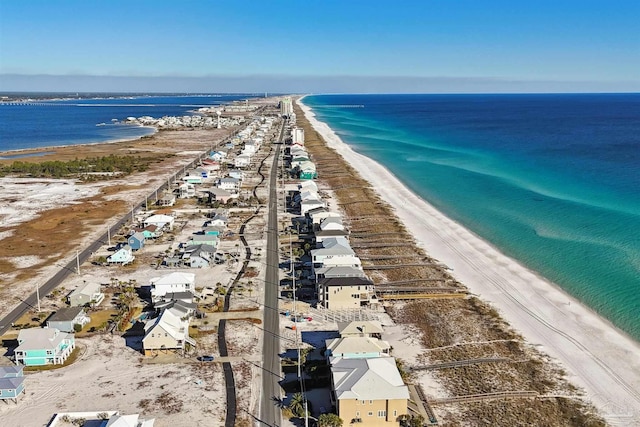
(360, 328)
(309, 204)
(43, 346)
(167, 333)
(132, 420)
(330, 226)
(307, 170)
(368, 392)
(346, 292)
(353, 347)
(335, 251)
(308, 186)
(337, 271)
(123, 255)
(173, 282)
(87, 294)
(67, 318)
(136, 241)
(11, 382)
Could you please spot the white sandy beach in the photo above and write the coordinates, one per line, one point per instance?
(598, 357)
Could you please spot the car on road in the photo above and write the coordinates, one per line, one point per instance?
(205, 358)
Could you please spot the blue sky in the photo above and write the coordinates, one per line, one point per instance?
(320, 46)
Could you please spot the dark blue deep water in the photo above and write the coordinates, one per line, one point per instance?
(552, 180)
(67, 122)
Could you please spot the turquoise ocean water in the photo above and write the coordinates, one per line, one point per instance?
(551, 180)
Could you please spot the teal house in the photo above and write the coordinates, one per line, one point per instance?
(11, 382)
(124, 255)
(43, 346)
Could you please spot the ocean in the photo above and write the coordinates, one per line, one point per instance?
(47, 123)
(552, 180)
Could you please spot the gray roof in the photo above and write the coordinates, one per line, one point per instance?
(89, 289)
(376, 378)
(339, 271)
(40, 338)
(65, 314)
(197, 249)
(138, 236)
(11, 383)
(12, 370)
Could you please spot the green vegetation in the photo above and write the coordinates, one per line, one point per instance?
(105, 167)
(329, 420)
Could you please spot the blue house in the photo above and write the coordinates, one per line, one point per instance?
(136, 241)
(11, 382)
(43, 346)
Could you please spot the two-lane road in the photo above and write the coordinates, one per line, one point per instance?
(270, 414)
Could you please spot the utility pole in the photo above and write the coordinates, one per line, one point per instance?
(109, 235)
(78, 261)
(38, 296)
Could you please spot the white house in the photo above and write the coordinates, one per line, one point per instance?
(307, 205)
(242, 161)
(335, 252)
(160, 221)
(297, 136)
(173, 282)
(308, 186)
(229, 184)
(186, 190)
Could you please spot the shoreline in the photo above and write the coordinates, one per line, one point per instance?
(44, 148)
(600, 358)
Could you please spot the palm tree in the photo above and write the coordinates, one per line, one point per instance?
(297, 404)
(329, 420)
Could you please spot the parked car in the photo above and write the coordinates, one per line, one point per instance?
(205, 358)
